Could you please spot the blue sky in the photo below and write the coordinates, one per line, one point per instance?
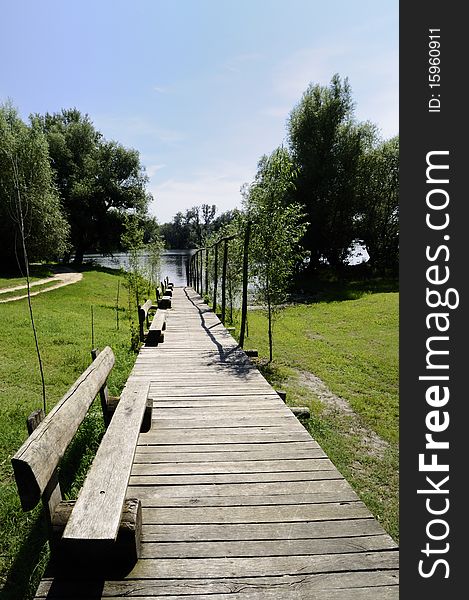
(201, 88)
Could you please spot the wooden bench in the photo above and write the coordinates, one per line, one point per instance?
(101, 529)
(157, 327)
(167, 290)
(143, 318)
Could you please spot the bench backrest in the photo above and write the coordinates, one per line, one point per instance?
(143, 317)
(35, 463)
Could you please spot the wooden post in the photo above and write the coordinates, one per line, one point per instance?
(215, 279)
(206, 271)
(103, 392)
(201, 278)
(244, 307)
(223, 281)
(187, 273)
(34, 419)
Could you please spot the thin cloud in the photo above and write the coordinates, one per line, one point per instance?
(218, 185)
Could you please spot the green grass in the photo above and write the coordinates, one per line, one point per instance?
(352, 346)
(34, 289)
(63, 320)
(36, 272)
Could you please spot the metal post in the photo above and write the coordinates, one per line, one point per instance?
(244, 307)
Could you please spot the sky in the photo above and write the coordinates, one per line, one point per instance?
(201, 88)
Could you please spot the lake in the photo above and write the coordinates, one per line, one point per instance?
(173, 263)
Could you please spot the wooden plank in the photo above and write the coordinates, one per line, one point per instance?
(37, 459)
(368, 585)
(98, 509)
(210, 413)
(279, 448)
(252, 491)
(242, 478)
(241, 466)
(150, 500)
(262, 531)
(146, 455)
(255, 514)
(241, 435)
(269, 566)
(267, 547)
(215, 423)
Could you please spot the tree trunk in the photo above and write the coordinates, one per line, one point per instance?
(79, 252)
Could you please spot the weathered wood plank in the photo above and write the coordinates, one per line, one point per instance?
(38, 457)
(234, 435)
(292, 500)
(279, 448)
(221, 423)
(267, 547)
(98, 509)
(269, 566)
(251, 491)
(322, 586)
(245, 466)
(211, 479)
(256, 514)
(149, 455)
(261, 531)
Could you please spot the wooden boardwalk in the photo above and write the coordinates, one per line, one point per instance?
(238, 500)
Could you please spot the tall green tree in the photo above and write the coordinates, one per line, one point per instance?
(277, 225)
(378, 215)
(326, 145)
(99, 181)
(29, 202)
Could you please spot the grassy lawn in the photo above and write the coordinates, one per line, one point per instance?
(63, 321)
(34, 289)
(36, 272)
(352, 346)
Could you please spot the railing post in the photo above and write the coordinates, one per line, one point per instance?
(244, 307)
(223, 280)
(201, 291)
(206, 271)
(215, 279)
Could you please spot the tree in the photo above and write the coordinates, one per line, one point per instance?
(277, 226)
(99, 181)
(326, 145)
(378, 216)
(29, 202)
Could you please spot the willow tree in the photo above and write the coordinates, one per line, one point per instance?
(277, 225)
(30, 207)
(326, 144)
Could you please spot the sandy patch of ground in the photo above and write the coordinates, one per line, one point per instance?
(372, 442)
(64, 276)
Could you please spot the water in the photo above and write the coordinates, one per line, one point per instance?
(173, 263)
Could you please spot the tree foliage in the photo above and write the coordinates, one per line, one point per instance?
(28, 196)
(193, 228)
(378, 214)
(99, 181)
(277, 225)
(326, 146)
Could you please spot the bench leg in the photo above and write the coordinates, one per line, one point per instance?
(147, 415)
(120, 556)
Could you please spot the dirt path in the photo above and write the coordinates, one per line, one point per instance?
(64, 276)
(371, 440)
